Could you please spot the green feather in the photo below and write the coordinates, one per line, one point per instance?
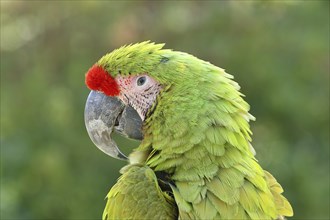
(205, 209)
(223, 191)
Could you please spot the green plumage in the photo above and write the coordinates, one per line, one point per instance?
(137, 195)
(198, 133)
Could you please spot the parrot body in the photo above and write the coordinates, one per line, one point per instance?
(195, 160)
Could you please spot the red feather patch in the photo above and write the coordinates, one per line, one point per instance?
(99, 79)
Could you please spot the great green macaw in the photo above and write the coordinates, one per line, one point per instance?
(195, 160)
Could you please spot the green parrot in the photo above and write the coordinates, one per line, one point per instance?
(195, 160)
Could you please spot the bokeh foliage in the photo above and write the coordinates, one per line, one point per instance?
(277, 50)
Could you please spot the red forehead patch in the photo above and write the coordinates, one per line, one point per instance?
(99, 79)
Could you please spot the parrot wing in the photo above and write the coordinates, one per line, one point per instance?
(137, 195)
(236, 192)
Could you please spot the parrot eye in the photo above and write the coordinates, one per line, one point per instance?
(141, 81)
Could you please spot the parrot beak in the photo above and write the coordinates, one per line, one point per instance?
(103, 115)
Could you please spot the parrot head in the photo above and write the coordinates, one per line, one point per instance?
(123, 92)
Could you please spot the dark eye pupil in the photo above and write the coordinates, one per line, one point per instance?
(141, 80)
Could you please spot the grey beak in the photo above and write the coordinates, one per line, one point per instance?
(103, 115)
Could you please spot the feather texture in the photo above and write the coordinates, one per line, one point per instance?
(137, 195)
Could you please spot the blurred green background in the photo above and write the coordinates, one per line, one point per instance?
(277, 51)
